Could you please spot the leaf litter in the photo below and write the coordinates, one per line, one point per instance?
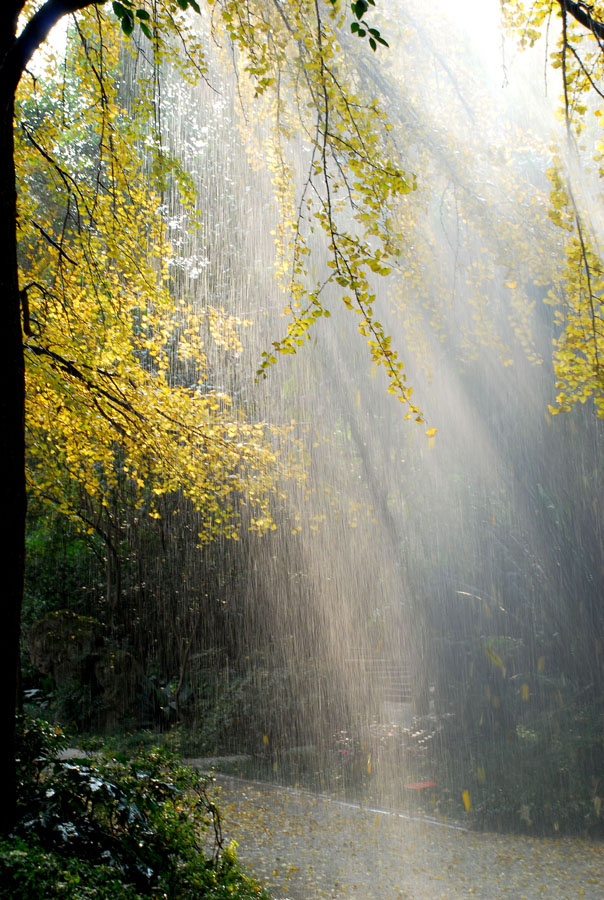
(307, 847)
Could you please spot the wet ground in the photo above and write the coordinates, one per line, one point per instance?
(306, 847)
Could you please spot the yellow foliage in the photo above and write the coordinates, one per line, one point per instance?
(465, 796)
(118, 381)
(353, 174)
(577, 293)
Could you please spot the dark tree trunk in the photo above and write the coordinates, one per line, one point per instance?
(12, 445)
(15, 53)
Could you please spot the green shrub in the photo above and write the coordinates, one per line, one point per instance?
(117, 830)
(31, 873)
(545, 777)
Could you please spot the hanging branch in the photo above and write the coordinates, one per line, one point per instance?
(582, 12)
(592, 298)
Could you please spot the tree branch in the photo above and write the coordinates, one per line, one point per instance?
(33, 36)
(123, 406)
(582, 13)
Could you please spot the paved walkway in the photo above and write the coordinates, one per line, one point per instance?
(309, 848)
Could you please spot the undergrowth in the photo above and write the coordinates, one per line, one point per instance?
(116, 829)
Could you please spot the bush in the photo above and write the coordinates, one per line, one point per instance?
(30, 872)
(116, 829)
(545, 777)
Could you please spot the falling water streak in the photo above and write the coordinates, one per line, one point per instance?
(404, 553)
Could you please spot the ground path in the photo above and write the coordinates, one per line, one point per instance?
(305, 847)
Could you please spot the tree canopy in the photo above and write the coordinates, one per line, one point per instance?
(119, 382)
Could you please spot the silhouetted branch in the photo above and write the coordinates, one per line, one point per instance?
(582, 12)
(33, 36)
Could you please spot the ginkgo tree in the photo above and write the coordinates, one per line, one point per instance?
(112, 364)
(119, 381)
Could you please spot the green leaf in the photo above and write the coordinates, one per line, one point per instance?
(127, 24)
(359, 8)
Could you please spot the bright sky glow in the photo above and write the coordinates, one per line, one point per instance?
(53, 47)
